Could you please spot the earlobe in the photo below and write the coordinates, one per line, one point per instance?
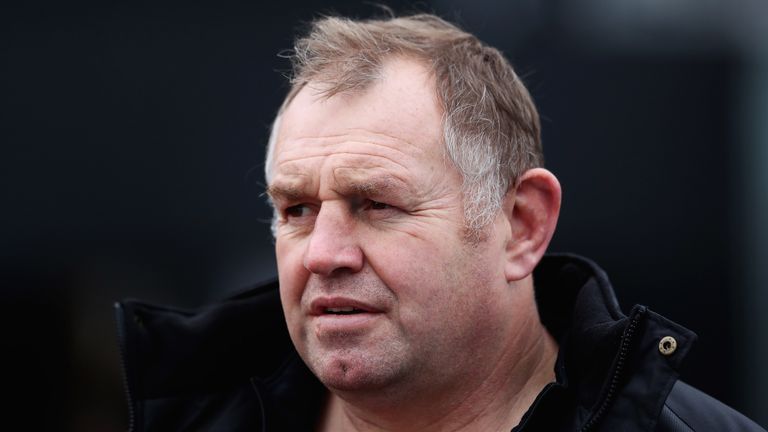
(532, 210)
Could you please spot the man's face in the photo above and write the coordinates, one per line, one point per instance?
(377, 283)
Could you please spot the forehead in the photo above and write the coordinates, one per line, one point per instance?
(399, 110)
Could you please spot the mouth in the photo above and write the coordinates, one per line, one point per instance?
(332, 318)
(331, 306)
(343, 311)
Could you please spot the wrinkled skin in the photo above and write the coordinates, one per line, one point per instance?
(371, 219)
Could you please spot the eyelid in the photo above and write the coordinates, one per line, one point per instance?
(304, 207)
(365, 204)
(374, 203)
(371, 205)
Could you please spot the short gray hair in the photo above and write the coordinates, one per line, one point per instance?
(491, 128)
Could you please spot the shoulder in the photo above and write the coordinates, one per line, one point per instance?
(689, 409)
(193, 369)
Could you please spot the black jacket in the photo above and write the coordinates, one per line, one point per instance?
(231, 366)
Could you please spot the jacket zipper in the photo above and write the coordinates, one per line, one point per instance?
(120, 318)
(618, 371)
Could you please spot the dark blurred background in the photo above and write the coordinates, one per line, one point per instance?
(132, 140)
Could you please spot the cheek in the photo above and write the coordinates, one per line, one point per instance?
(291, 274)
(422, 275)
(293, 278)
(436, 283)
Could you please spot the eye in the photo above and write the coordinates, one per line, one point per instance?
(297, 211)
(375, 205)
(380, 209)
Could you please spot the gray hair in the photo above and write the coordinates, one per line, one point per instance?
(491, 128)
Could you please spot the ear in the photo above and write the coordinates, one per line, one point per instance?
(532, 210)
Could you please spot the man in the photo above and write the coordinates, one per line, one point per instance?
(411, 218)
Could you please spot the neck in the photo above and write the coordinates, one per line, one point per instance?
(491, 396)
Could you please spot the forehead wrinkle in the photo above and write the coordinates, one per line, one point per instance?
(350, 144)
(388, 136)
(359, 147)
(293, 163)
(356, 135)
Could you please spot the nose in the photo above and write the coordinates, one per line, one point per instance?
(333, 246)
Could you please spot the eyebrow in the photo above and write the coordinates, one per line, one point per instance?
(367, 187)
(370, 186)
(285, 192)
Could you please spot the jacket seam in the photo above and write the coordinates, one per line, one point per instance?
(678, 416)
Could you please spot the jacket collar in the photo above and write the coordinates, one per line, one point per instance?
(610, 373)
(170, 354)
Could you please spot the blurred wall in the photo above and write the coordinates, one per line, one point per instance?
(131, 154)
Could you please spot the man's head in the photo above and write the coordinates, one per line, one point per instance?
(490, 125)
(382, 291)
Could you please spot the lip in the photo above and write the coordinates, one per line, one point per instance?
(329, 325)
(319, 305)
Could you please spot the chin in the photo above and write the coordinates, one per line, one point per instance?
(347, 374)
